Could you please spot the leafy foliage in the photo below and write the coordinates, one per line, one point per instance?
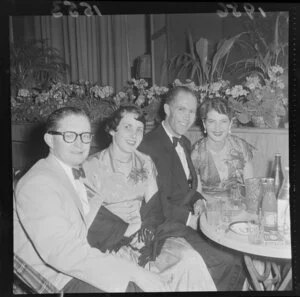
(197, 63)
(263, 53)
(34, 64)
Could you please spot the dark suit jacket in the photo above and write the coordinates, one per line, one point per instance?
(176, 197)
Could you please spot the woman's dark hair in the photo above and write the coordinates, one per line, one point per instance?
(115, 119)
(173, 92)
(61, 113)
(220, 105)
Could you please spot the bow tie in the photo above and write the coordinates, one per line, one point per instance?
(78, 172)
(176, 140)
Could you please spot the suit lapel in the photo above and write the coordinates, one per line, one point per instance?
(178, 173)
(62, 176)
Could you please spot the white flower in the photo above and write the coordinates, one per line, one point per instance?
(281, 85)
(117, 100)
(216, 86)
(177, 82)
(121, 95)
(101, 93)
(108, 90)
(140, 100)
(23, 93)
(252, 82)
(275, 69)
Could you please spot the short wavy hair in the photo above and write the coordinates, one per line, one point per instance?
(218, 104)
(61, 113)
(113, 122)
(173, 92)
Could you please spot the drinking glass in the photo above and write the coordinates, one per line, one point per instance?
(253, 194)
(226, 211)
(213, 209)
(254, 233)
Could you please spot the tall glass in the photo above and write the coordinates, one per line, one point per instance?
(213, 208)
(253, 194)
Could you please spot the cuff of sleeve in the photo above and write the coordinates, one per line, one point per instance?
(188, 219)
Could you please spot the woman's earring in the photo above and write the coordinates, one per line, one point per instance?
(204, 130)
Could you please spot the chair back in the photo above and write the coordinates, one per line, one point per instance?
(28, 280)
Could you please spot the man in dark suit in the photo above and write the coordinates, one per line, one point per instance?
(177, 181)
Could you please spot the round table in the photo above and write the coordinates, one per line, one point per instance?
(270, 253)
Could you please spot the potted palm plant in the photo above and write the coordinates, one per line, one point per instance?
(34, 64)
(196, 62)
(266, 74)
(264, 54)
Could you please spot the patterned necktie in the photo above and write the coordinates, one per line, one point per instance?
(78, 172)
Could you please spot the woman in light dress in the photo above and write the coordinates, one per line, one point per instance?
(127, 180)
(220, 158)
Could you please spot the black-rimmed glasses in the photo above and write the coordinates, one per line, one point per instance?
(70, 136)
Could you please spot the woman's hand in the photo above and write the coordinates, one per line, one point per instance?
(146, 235)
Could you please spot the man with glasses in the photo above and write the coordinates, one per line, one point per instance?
(54, 207)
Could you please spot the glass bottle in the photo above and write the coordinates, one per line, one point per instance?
(269, 207)
(277, 174)
(263, 184)
(283, 203)
(283, 200)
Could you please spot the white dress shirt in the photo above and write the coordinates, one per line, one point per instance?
(181, 154)
(78, 185)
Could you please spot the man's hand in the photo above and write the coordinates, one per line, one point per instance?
(199, 207)
(193, 222)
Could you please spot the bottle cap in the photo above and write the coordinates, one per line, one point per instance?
(278, 155)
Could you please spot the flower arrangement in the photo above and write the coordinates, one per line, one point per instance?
(33, 105)
(148, 98)
(215, 89)
(98, 101)
(266, 100)
(256, 97)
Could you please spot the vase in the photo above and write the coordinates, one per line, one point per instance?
(258, 121)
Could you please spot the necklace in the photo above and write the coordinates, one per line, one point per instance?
(126, 166)
(130, 170)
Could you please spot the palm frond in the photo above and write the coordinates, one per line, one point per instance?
(36, 63)
(184, 67)
(202, 52)
(224, 47)
(191, 44)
